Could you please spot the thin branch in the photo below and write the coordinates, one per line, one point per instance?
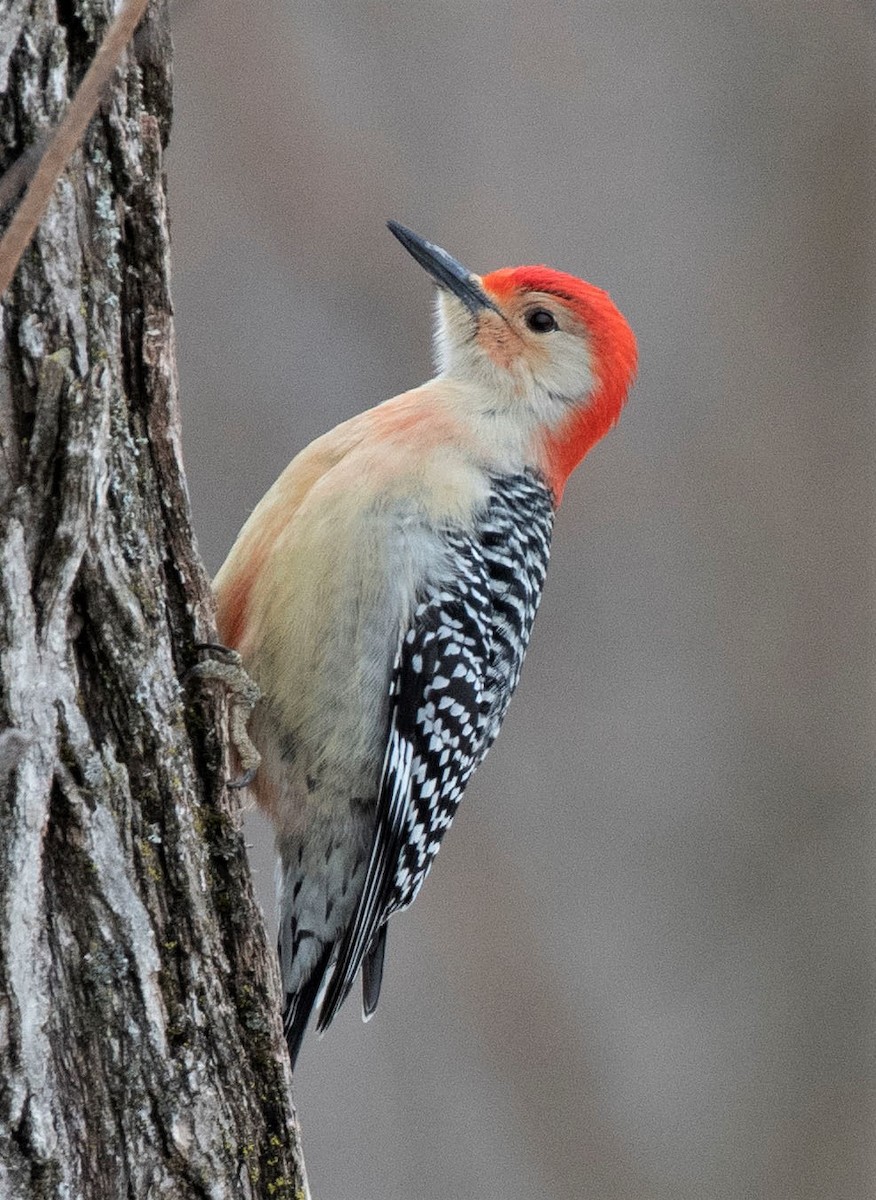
(65, 140)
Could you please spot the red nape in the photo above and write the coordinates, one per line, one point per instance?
(613, 352)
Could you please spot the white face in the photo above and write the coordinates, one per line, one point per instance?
(538, 354)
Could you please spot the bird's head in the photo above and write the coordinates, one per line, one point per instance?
(539, 342)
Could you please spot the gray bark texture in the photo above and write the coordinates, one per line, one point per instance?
(140, 1050)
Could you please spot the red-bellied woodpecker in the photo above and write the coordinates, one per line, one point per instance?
(382, 594)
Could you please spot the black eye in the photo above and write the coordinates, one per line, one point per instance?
(541, 321)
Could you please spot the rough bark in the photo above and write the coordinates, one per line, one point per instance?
(140, 1052)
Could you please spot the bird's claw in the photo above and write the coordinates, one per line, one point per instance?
(225, 669)
(244, 780)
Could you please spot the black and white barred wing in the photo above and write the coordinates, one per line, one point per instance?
(437, 727)
(515, 539)
(457, 667)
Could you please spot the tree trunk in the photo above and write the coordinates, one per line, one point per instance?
(140, 1048)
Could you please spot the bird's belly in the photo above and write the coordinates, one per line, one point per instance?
(340, 607)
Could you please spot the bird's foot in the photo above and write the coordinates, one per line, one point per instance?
(224, 668)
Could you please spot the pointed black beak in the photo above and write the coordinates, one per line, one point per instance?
(446, 271)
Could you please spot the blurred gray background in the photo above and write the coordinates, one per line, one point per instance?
(642, 967)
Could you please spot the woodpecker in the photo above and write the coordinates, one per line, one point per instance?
(381, 596)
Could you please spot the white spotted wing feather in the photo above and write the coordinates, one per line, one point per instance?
(456, 669)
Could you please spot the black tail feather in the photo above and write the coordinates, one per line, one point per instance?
(299, 1005)
(372, 972)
